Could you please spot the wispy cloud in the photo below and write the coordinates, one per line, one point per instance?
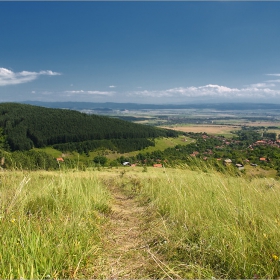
(259, 90)
(273, 81)
(8, 77)
(278, 75)
(89, 92)
(112, 86)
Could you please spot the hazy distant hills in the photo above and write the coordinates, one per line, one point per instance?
(136, 106)
(26, 126)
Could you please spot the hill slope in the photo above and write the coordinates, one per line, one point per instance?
(27, 126)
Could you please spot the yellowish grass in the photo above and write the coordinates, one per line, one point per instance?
(210, 129)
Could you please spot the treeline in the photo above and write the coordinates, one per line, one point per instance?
(27, 126)
(179, 153)
(27, 160)
(249, 135)
(118, 145)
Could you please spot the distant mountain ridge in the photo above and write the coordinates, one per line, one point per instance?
(26, 126)
(107, 106)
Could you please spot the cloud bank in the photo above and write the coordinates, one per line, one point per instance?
(88, 92)
(260, 90)
(8, 77)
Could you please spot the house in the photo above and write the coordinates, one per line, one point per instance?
(60, 159)
(227, 161)
(261, 142)
(157, 165)
(262, 159)
(126, 163)
(239, 166)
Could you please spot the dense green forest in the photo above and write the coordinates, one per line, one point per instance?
(26, 126)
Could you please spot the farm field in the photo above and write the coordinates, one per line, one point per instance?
(209, 129)
(219, 122)
(126, 223)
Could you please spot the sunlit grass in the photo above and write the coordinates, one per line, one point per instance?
(50, 224)
(208, 224)
(161, 144)
(214, 225)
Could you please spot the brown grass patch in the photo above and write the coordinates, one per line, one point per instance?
(210, 129)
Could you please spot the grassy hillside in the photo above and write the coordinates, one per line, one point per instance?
(214, 225)
(27, 126)
(197, 224)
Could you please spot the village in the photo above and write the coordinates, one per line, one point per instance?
(234, 152)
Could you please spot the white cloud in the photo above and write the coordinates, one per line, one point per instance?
(273, 81)
(112, 86)
(8, 77)
(259, 90)
(89, 92)
(96, 92)
(278, 75)
(74, 91)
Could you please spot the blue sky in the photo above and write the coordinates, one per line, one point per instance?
(145, 52)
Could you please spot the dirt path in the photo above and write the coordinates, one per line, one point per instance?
(125, 248)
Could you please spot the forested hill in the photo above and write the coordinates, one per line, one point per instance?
(26, 126)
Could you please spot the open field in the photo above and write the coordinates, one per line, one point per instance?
(161, 144)
(219, 122)
(209, 129)
(123, 222)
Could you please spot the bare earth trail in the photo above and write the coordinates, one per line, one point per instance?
(126, 252)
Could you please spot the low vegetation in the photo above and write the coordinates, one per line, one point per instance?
(50, 224)
(206, 224)
(214, 225)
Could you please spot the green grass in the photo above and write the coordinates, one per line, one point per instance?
(51, 151)
(50, 224)
(214, 225)
(207, 224)
(160, 145)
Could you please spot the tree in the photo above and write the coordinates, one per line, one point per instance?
(101, 160)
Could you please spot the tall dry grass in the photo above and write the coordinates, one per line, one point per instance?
(209, 225)
(50, 224)
(212, 224)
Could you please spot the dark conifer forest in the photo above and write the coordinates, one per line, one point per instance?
(26, 126)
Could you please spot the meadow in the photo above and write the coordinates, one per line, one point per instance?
(225, 130)
(199, 223)
(50, 224)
